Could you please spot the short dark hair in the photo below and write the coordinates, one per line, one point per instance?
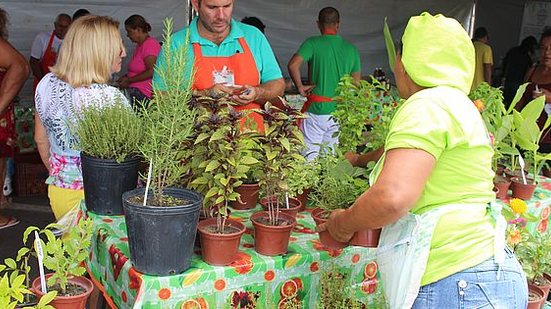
(480, 32)
(79, 13)
(254, 21)
(137, 21)
(528, 43)
(4, 19)
(328, 15)
(545, 34)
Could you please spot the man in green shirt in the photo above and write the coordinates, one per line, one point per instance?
(329, 57)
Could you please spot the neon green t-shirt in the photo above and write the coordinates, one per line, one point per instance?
(483, 56)
(445, 123)
(330, 57)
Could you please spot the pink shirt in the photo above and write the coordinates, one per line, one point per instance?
(149, 47)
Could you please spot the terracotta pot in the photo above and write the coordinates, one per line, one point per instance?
(294, 205)
(326, 238)
(272, 239)
(67, 302)
(248, 195)
(512, 174)
(303, 198)
(502, 184)
(367, 238)
(219, 249)
(521, 190)
(535, 297)
(544, 285)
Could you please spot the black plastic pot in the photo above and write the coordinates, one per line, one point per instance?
(161, 239)
(105, 181)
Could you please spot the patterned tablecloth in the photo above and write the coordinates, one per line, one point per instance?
(253, 281)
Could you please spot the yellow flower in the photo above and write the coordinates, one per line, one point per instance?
(514, 237)
(479, 105)
(518, 206)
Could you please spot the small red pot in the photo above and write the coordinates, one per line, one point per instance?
(219, 249)
(303, 198)
(248, 195)
(326, 238)
(294, 205)
(521, 190)
(535, 297)
(272, 239)
(66, 302)
(367, 238)
(502, 184)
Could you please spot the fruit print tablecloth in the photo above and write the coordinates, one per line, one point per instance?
(253, 281)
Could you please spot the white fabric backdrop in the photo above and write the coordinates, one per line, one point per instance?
(288, 22)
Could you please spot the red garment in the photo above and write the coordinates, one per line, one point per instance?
(7, 129)
(244, 69)
(48, 59)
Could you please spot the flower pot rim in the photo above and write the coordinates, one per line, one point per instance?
(528, 183)
(203, 224)
(260, 214)
(135, 192)
(265, 207)
(36, 283)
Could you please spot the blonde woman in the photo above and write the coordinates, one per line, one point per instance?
(91, 52)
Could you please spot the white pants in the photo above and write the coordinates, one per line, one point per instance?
(318, 130)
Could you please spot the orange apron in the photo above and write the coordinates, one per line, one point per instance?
(241, 64)
(48, 59)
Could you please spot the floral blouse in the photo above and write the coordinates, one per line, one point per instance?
(57, 104)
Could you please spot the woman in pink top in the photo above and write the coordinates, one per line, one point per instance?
(140, 68)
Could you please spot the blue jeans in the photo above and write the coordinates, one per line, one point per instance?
(477, 287)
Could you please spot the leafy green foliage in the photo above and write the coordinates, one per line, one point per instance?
(498, 121)
(335, 291)
(534, 255)
(169, 120)
(303, 175)
(359, 103)
(109, 132)
(281, 143)
(65, 255)
(222, 153)
(340, 183)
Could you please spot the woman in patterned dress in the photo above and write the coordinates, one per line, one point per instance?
(91, 52)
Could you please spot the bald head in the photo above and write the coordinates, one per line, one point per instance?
(328, 16)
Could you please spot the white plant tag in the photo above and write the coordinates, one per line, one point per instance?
(40, 254)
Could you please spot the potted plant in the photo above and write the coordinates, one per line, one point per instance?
(161, 219)
(527, 135)
(535, 258)
(339, 186)
(222, 157)
(280, 144)
(108, 137)
(336, 292)
(500, 126)
(303, 177)
(64, 257)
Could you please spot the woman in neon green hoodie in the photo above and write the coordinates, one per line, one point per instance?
(442, 244)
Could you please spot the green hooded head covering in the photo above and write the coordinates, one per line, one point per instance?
(438, 52)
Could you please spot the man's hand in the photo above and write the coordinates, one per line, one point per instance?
(333, 227)
(123, 82)
(306, 90)
(245, 95)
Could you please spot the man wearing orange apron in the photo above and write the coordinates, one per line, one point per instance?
(329, 57)
(229, 57)
(45, 47)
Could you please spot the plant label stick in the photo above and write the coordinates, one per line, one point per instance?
(287, 199)
(148, 181)
(40, 254)
(521, 162)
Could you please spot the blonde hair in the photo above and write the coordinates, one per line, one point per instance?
(90, 48)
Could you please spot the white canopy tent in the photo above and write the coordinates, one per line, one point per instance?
(288, 22)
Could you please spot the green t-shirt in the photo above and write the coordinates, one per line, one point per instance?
(330, 57)
(445, 123)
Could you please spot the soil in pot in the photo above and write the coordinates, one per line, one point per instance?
(367, 238)
(321, 216)
(521, 190)
(220, 248)
(535, 297)
(72, 301)
(248, 196)
(502, 184)
(272, 239)
(544, 284)
(294, 205)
